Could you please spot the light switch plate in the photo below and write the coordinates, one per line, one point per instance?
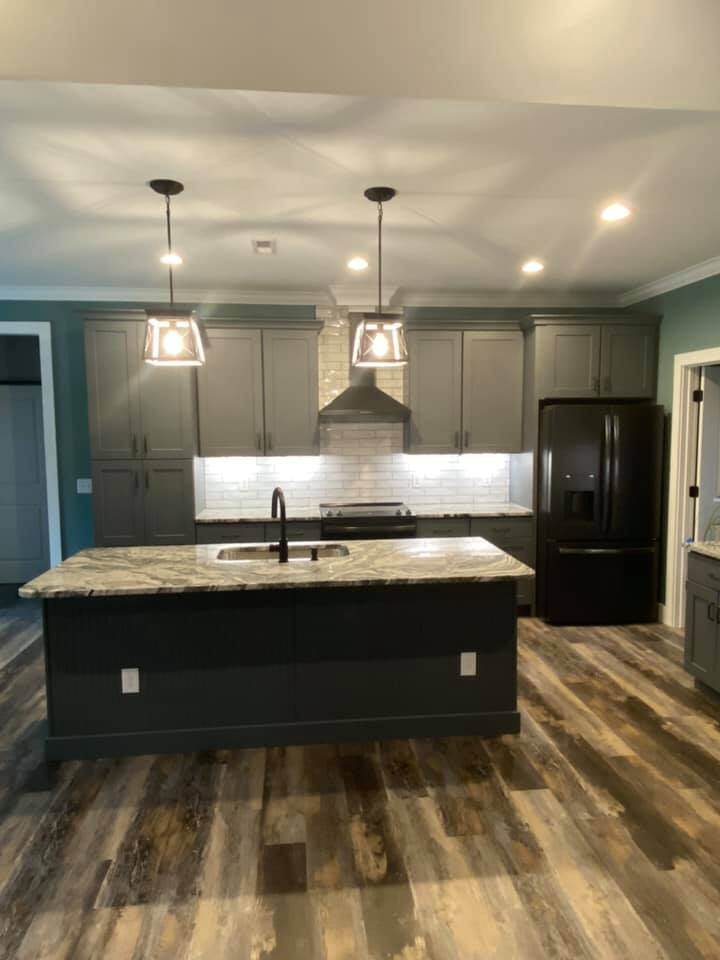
(83, 485)
(130, 680)
(468, 664)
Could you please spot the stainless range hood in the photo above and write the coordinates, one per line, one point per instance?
(363, 401)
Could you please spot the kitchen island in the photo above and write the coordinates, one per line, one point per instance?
(165, 649)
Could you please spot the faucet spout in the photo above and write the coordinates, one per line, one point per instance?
(278, 497)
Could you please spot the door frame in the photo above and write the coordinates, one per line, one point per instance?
(683, 427)
(42, 330)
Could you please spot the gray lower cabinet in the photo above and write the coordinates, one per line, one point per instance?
(258, 393)
(143, 502)
(230, 394)
(435, 379)
(256, 532)
(168, 502)
(118, 503)
(492, 391)
(290, 379)
(135, 410)
(702, 620)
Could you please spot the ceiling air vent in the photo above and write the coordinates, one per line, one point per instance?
(265, 248)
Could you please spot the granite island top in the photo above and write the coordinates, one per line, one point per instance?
(429, 511)
(135, 571)
(707, 548)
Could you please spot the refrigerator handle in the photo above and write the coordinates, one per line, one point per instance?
(607, 471)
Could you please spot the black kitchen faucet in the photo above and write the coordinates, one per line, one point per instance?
(278, 495)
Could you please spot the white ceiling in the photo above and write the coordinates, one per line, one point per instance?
(481, 186)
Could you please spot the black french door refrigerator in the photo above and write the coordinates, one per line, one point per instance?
(599, 503)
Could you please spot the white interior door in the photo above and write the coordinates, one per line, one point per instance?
(708, 508)
(23, 500)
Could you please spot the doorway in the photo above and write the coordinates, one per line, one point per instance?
(30, 537)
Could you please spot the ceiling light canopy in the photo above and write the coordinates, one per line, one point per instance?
(533, 266)
(379, 340)
(357, 263)
(615, 211)
(172, 337)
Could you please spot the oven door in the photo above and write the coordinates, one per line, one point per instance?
(366, 529)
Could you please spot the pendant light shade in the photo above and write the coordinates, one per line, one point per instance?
(172, 337)
(379, 339)
(173, 340)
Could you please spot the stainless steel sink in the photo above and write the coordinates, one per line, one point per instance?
(269, 551)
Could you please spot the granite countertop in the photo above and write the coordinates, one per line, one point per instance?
(708, 548)
(132, 571)
(431, 511)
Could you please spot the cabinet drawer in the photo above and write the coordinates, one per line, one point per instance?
(449, 527)
(296, 530)
(704, 570)
(230, 532)
(502, 529)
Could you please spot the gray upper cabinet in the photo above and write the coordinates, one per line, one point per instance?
(135, 410)
(168, 502)
(568, 360)
(113, 367)
(230, 394)
(492, 391)
(118, 503)
(435, 375)
(290, 367)
(628, 361)
(167, 409)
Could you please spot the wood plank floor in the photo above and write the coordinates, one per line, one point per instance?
(595, 833)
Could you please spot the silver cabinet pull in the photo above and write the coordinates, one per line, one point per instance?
(467, 438)
(269, 441)
(596, 384)
(457, 439)
(147, 479)
(608, 385)
(134, 444)
(137, 481)
(258, 441)
(145, 444)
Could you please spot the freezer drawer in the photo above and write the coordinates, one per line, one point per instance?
(601, 583)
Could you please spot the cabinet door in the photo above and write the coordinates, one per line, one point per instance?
(568, 361)
(492, 391)
(435, 373)
(169, 502)
(117, 503)
(167, 406)
(112, 361)
(230, 396)
(628, 365)
(701, 631)
(290, 368)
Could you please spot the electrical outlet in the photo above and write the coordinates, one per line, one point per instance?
(83, 485)
(468, 664)
(130, 680)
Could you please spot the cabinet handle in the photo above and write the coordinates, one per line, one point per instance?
(137, 481)
(147, 479)
(467, 438)
(269, 441)
(596, 384)
(145, 443)
(134, 444)
(710, 615)
(608, 385)
(258, 442)
(457, 439)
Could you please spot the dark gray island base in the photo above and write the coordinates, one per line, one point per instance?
(366, 643)
(278, 667)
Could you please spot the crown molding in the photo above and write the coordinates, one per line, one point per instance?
(356, 295)
(280, 297)
(698, 271)
(436, 298)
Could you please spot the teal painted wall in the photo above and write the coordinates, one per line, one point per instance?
(690, 321)
(66, 320)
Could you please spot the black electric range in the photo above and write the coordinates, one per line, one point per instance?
(367, 521)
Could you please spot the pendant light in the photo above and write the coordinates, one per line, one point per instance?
(172, 338)
(379, 339)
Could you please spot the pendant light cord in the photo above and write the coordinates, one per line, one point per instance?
(169, 240)
(380, 219)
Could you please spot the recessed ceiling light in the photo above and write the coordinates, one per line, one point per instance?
(616, 211)
(265, 248)
(171, 259)
(533, 266)
(357, 263)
